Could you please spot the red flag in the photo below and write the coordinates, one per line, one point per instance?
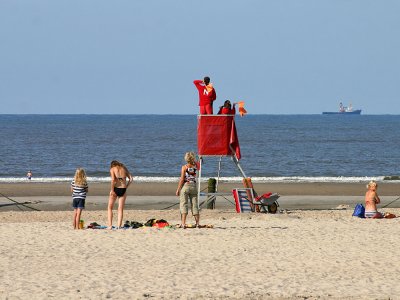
(234, 141)
(242, 111)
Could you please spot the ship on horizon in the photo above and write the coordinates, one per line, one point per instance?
(343, 110)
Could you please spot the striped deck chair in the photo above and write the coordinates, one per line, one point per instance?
(246, 202)
(242, 200)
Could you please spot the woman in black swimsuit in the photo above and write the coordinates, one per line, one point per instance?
(119, 183)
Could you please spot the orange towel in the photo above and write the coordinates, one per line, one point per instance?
(209, 87)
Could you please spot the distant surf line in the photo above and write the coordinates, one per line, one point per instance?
(155, 179)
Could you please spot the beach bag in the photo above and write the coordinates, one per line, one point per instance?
(359, 211)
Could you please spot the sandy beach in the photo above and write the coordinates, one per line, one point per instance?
(324, 254)
(312, 249)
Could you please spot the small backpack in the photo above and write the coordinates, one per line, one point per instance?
(359, 211)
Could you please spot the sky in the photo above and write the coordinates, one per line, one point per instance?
(141, 57)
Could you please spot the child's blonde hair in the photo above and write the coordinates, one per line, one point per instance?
(190, 158)
(80, 177)
(372, 183)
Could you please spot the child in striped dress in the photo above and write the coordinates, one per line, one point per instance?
(79, 189)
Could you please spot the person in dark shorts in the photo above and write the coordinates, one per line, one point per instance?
(120, 181)
(79, 189)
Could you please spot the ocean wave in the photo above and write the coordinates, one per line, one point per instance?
(149, 179)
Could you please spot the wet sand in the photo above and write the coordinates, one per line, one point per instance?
(168, 189)
(56, 196)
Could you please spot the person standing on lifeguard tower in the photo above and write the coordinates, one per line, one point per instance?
(207, 95)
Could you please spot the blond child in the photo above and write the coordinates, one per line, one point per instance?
(79, 189)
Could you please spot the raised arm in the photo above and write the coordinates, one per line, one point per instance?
(199, 84)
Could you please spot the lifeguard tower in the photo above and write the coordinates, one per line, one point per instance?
(217, 136)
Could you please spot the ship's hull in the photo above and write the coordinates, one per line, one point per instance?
(354, 112)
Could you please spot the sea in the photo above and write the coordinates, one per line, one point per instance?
(275, 148)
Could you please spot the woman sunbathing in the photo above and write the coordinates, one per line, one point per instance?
(371, 200)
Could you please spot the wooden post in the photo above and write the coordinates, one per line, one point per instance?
(211, 189)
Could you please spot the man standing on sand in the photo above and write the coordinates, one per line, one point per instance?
(206, 95)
